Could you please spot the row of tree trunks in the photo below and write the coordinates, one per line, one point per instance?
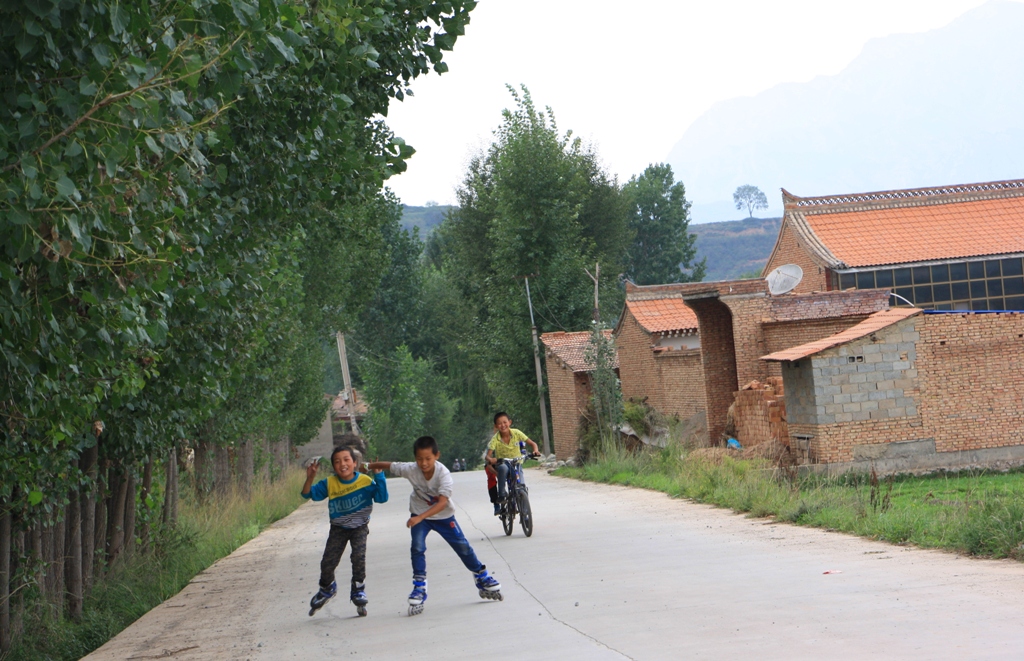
(170, 513)
(5, 577)
(245, 465)
(87, 463)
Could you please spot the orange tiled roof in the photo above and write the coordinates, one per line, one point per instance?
(914, 225)
(662, 315)
(875, 322)
(571, 349)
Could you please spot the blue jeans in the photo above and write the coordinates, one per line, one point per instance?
(502, 468)
(451, 532)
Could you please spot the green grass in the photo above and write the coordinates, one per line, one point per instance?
(206, 533)
(974, 513)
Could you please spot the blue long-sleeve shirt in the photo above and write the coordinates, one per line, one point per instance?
(350, 503)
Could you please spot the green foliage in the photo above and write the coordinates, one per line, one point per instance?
(975, 513)
(535, 204)
(206, 533)
(662, 251)
(606, 397)
(750, 197)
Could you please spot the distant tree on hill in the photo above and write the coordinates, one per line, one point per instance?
(659, 217)
(750, 197)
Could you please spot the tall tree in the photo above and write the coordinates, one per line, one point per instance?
(537, 204)
(750, 197)
(662, 251)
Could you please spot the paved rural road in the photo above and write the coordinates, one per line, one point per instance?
(610, 573)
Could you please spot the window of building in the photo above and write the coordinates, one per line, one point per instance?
(991, 284)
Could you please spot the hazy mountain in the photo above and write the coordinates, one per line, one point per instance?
(735, 248)
(425, 218)
(940, 107)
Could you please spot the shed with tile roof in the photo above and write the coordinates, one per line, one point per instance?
(569, 361)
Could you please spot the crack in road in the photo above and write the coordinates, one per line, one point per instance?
(533, 596)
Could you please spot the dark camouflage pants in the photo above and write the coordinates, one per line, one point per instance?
(336, 543)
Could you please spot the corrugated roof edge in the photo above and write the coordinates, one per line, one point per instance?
(872, 324)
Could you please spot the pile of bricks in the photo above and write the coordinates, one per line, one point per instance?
(759, 413)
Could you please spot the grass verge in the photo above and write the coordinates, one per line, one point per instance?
(972, 512)
(206, 532)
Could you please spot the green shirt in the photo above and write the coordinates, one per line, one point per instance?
(508, 450)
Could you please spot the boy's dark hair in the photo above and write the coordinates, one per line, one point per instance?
(356, 455)
(425, 443)
(355, 445)
(501, 414)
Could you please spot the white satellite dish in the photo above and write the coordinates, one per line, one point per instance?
(784, 279)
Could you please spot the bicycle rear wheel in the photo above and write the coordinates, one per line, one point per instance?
(525, 513)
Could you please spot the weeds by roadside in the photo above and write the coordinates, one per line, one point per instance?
(206, 532)
(971, 512)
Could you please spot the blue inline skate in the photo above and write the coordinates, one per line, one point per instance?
(418, 596)
(321, 598)
(358, 597)
(489, 588)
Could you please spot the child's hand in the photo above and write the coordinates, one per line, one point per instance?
(413, 520)
(311, 470)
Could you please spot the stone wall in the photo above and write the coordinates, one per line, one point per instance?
(682, 382)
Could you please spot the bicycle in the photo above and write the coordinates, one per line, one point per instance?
(517, 498)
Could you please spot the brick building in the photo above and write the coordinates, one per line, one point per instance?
(908, 389)
(569, 386)
(945, 248)
(659, 351)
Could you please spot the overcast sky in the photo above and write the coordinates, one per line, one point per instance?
(629, 77)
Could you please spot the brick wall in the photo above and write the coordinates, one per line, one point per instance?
(760, 414)
(638, 373)
(972, 383)
(748, 312)
(672, 381)
(682, 382)
(563, 399)
(951, 378)
(718, 358)
(789, 250)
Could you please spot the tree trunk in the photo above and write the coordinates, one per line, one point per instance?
(5, 578)
(202, 473)
(245, 466)
(115, 525)
(87, 463)
(100, 531)
(73, 570)
(58, 539)
(37, 555)
(266, 459)
(130, 511)
(17, 559)
(147, 485)
(170, 515)
(222, 470)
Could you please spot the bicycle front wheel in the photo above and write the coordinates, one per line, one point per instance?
(525, 513)
(508, 516)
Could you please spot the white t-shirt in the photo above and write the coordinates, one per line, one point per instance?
(425, 492)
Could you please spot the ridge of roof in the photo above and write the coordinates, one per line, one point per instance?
(872, 324)
(889, 199)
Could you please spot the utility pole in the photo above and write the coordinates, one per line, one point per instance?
(348, 397)
(595, 277)
(546, 447)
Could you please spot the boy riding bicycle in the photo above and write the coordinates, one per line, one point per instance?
(505, 444)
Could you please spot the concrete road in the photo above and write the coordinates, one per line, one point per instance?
(610, 573)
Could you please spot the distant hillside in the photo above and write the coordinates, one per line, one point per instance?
(735, 247)
(425, 218)
(930, 109)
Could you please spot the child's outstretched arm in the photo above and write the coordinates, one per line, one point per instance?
(533, 445)
(377, 466)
